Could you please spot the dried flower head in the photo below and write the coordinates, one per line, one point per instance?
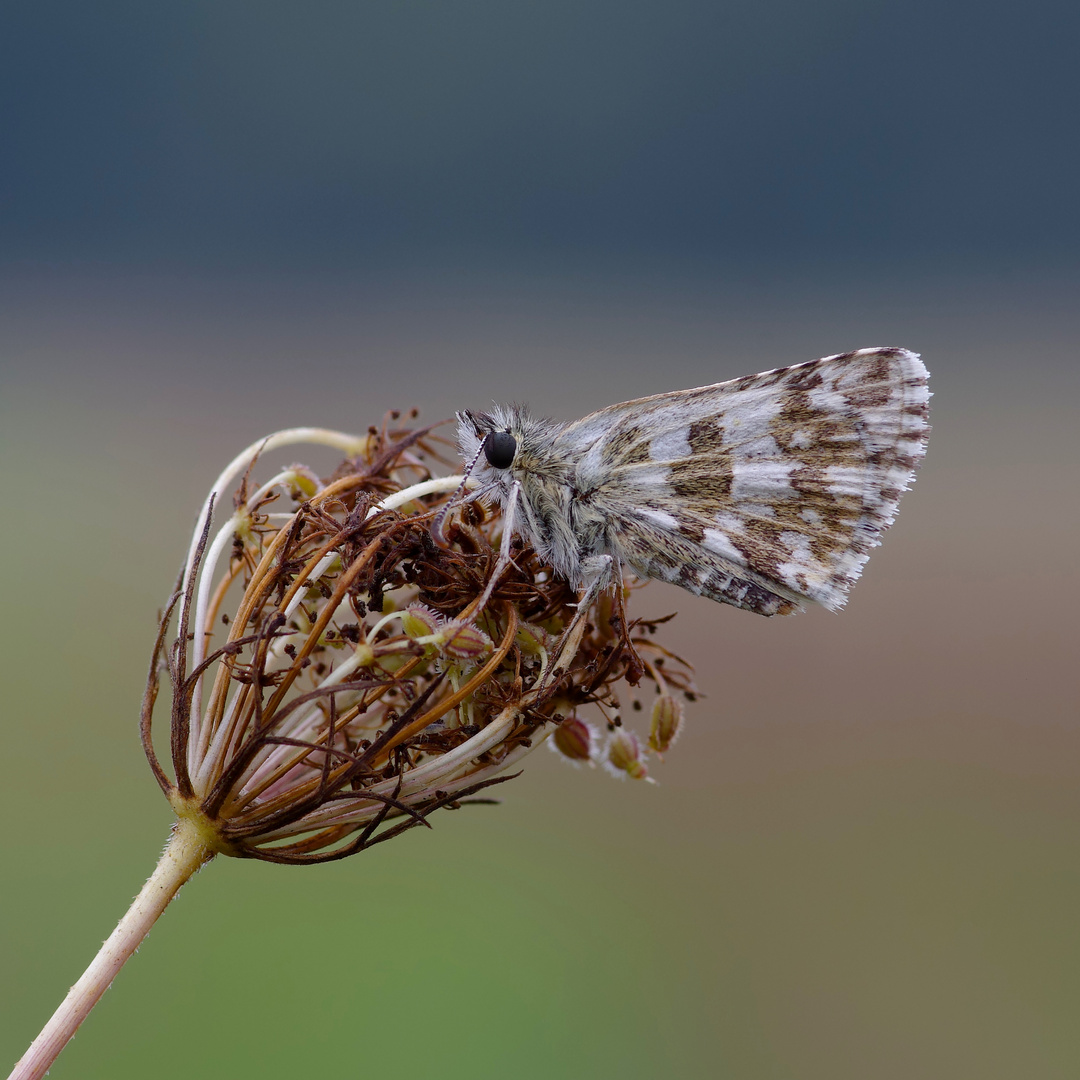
(346, 657)
(334, 678)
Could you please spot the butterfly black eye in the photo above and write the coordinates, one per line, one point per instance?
(499, 449)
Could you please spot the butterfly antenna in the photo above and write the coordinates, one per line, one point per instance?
(455, 500)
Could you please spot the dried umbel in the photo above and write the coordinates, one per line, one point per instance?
(333, 679)
(336, 673)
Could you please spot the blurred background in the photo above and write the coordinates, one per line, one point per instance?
(218, 219)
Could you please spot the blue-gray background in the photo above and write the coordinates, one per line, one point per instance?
(356, 133)
(221, 219)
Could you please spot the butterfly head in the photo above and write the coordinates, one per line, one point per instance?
(490, 443)
(508, 449)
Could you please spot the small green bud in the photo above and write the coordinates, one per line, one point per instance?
(532, 640)
(464, 641)
(419, 621)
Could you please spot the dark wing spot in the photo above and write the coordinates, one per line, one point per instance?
(706, 476)
(702, 480)
(805, 379)
(627, 446)
(692, 530)
(873, 396)
(880, 369)
(706, 437)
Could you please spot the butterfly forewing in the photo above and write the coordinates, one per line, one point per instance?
(763, 491)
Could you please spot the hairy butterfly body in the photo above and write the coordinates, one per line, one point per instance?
(762, 492)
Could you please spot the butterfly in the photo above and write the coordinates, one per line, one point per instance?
(764, 492)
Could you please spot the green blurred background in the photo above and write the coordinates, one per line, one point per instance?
(222, 219)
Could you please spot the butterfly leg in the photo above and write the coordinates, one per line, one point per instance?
(634, 666)
(504, 560)
(597, 572)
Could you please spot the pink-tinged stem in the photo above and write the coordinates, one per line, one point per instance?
(185, 852)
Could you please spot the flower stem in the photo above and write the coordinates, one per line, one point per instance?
(185, 852)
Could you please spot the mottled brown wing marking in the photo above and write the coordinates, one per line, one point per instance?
(705, 438)
(701, 480)
(628, 445)
(692, 528)
(705, 476)
(681, 561)
(758, 546)
(870, 397)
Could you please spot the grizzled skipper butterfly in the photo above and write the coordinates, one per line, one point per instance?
(762, 492)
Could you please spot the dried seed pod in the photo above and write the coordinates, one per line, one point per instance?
(574, 739)
(666, 722)
(624, 755)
